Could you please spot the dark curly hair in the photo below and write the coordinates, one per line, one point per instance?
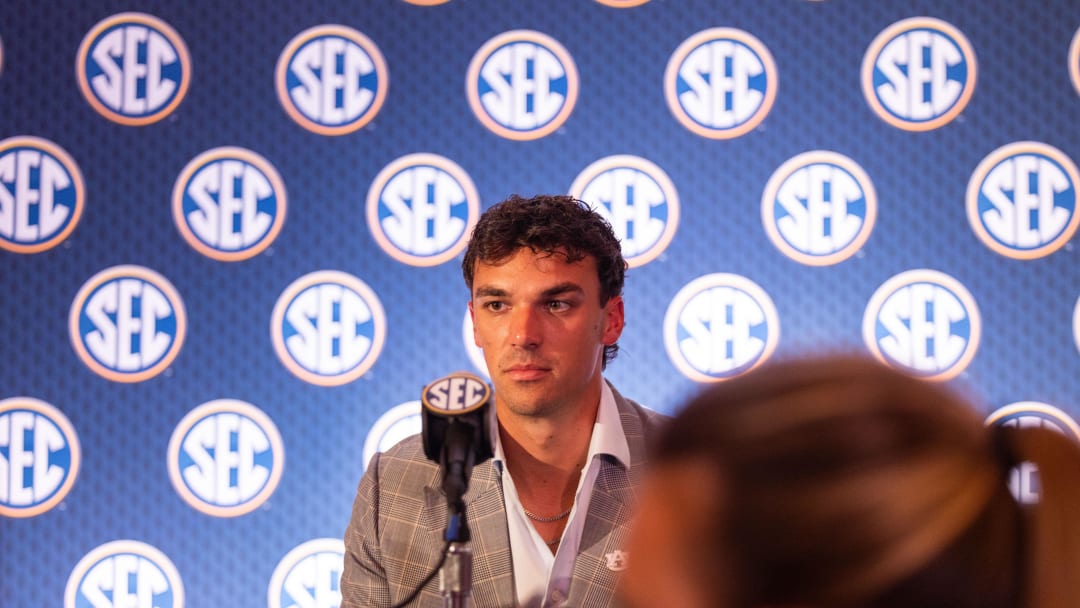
(552, 224)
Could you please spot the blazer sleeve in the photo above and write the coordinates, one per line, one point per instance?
(363, 580)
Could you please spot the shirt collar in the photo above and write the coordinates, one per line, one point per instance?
(607, 438)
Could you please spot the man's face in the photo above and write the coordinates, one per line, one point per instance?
(540, 324)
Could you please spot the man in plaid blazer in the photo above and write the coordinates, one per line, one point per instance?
(548, 514)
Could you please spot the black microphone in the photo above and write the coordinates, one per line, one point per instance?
(454, 427)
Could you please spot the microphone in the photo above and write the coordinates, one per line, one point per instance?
(454, 427)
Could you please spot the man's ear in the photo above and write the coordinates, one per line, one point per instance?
(614, 321)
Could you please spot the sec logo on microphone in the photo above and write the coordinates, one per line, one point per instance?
(42, 195)
(39, 457)
(133, 69)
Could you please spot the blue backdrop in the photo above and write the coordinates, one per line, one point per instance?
(230, 238)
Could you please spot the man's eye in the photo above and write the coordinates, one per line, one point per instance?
(494, 306)
(558, 305)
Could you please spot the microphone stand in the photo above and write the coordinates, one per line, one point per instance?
(455, 577)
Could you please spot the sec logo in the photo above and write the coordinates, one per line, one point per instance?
(1022, 200)
(721, 83)
(924, 322)
(919, 74)
(421, 209)
(522, 85)
(42, 195)
(229, 204)
(637, 198)
(309, 576)
(331, 79)
(39, 457)
(328, 328)
(127, 323)
(226, 458)
(720, 326)
(133, 69)
(124, 573)
(819, 208)
(1024, 478)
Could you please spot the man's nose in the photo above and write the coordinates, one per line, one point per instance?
(525, 328)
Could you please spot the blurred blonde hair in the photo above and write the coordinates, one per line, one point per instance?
(846, 483)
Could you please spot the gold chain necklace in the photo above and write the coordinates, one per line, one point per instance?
(547, 520)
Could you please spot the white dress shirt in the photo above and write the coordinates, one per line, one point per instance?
(542, 580)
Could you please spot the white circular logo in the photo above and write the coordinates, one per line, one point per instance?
(331, 79)
(42, 195)
(819, 208)
(924, 322)
(720, 326)
(133, 69)
(127, 323)
(1024, 477)
(522, 85)
(226, 458)
(1022, 200)
(919, 74)
(39, 457)
(421, 209)
(721, 83)
(637, 198)
(229, 204)
(309, 575)
(124, 573)
(397, 423)
(328, 328)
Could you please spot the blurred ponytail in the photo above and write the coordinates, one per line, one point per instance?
(1052, 536)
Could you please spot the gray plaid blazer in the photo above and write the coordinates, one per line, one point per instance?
(395, 535)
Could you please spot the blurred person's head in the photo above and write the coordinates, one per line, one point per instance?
(838, 482)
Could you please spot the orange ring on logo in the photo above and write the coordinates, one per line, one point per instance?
(447, 166)
(780, 176)
(654, 173)
(57, 418)
(121, 272)
(887, 36)
(347, 281)
(990, 163)
(338, 31)
(226, 153)
(691, 44)
(939, 279)
(695, 288)
(201, 413)
(158, 26)
(60, 155)
(543, 41)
